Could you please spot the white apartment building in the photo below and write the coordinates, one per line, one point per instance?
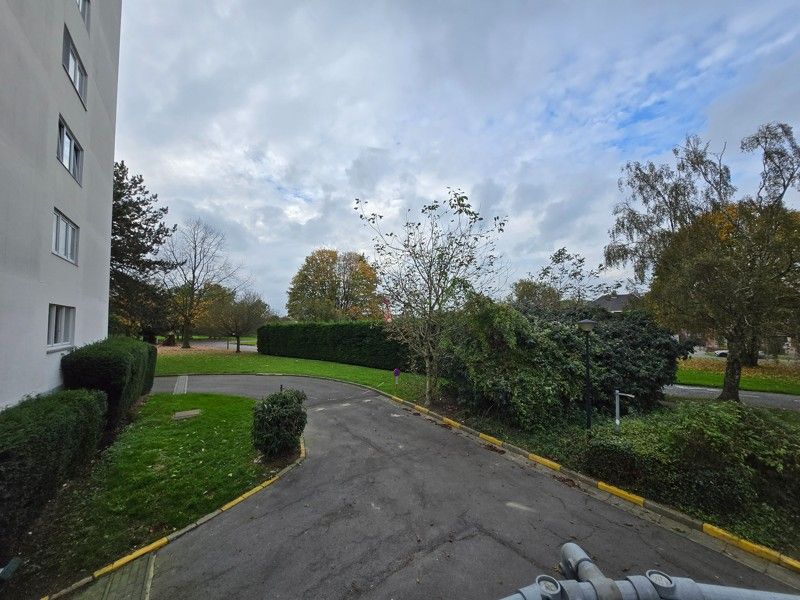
(58, 101)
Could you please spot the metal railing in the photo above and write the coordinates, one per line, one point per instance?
(585, 581)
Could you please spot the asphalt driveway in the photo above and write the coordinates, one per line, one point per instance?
(390, 505)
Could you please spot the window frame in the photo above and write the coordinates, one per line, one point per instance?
(60, 327)
(85, 10)
(70, 51)
(61, 224)
(75, 166)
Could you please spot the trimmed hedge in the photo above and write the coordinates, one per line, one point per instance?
(121, 367)
(362, 343)
(44, 440)
(278, 423)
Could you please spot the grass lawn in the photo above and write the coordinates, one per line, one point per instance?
(175, 361)
(782, 377)
(157, 477)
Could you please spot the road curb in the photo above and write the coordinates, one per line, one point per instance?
(752, 548)
(161, 542)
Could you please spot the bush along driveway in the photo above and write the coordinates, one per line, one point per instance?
(389, 504)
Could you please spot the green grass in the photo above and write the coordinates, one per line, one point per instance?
(183, 362)
(782, 377)
(158, 476)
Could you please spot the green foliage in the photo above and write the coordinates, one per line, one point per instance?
(121, 367)
(530, 371)
(713, 459)
(44, 440)
(137, 303)
(278, 423)
(352, 342)
(498, 359)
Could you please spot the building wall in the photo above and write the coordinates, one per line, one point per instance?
(34, 90)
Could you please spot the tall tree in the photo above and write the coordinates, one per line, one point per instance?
(237, 313)
(662, 201)
(330, 286)
(427, 268)
(197, 252)
(733, 270)
(137, 233)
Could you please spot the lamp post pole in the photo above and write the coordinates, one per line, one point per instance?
(587, 393)
(586, 325)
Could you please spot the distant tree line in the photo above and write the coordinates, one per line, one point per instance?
(168, 279)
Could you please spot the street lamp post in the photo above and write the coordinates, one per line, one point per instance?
(586, 326)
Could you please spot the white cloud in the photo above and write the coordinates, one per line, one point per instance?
(269, 118)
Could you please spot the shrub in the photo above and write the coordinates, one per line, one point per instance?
(44, 440)
(498, 360)
(278, 423)
(121, 367)
(362, 343)
(707, 457)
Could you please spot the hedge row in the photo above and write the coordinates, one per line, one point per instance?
(121, 367)
(44, 440)
(713, 459)
(362, 343)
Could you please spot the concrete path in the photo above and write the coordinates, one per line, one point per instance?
(765, 399)
(223, 345)
(391, 505)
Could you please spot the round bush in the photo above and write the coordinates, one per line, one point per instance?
(278, 423)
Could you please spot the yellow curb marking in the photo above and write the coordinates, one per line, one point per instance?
(620, 493)
(757, 549)
(490, 439)
(790, 563)
(453, 424)
(132, 556)
(544, 461)
(421, 409)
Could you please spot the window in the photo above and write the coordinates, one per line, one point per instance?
(73, 65)
(70, 152)
(60, 325)
(83, 8)
(65, 237)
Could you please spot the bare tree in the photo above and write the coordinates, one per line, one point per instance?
(427, 268)
(238, 313)
(198, 251)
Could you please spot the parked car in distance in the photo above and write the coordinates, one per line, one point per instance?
(721, 353)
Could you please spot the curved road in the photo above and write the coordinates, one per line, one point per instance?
(763, 399)
(391, 505)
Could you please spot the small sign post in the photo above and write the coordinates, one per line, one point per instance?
(396, 375)
(617, 394)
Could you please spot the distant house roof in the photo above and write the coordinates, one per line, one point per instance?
(614, 302)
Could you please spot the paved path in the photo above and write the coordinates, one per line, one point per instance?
(390, 505)
(767, 399)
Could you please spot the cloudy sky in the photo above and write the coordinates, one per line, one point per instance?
(267, 119)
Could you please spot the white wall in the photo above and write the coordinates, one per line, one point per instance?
(34, 91)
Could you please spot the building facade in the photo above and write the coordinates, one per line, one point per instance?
(58, 100)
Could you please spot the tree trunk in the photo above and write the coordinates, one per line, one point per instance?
(733, 372)
(750, 352)
(186, 336)
(428, 379)
(238, 345)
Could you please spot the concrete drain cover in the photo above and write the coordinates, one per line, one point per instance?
(185, 414)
